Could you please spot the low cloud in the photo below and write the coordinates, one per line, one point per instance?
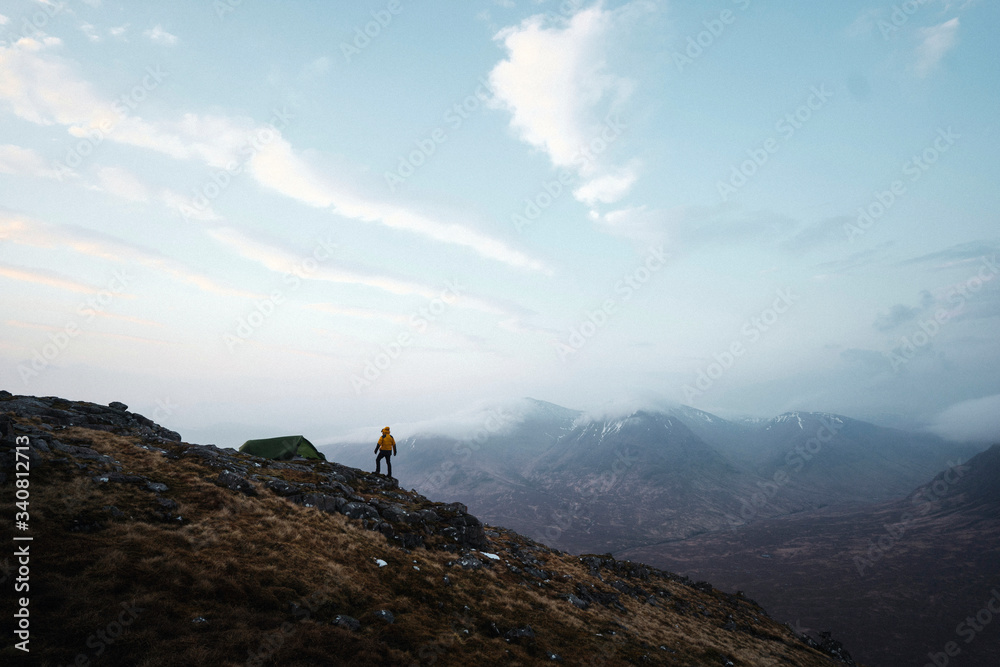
(977, 420)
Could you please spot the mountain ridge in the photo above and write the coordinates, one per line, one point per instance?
(151, 550)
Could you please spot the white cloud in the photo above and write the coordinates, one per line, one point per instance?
(283, 260)
(186, 206)
(977, 420)
(639, 223)
(91, 32)
(23, 230)
(4, 20)
(118, 31)
(24, 161)
(46, 91)
(607, 188)
(556, 85)
(42, 277)
(936, 42)
(122, 183)
(277, 167)
(160, 36)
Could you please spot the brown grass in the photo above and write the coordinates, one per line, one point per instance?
(241, 563)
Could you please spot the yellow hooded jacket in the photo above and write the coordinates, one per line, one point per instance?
(387, 442)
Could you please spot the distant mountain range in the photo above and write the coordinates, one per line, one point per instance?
(610, 484)
(898, 581)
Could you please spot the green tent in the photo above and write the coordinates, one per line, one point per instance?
(282, 448)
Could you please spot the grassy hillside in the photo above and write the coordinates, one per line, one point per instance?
(150, 551)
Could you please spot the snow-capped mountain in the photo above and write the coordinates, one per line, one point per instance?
(606, 483)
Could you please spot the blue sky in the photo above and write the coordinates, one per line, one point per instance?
(310, 217)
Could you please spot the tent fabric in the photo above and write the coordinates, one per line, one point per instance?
(282, 448)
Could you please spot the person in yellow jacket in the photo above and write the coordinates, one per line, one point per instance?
(385, 448)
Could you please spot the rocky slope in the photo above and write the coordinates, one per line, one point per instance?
(147, 550)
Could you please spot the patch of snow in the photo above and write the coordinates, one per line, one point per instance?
(493, 556)
(380, 562)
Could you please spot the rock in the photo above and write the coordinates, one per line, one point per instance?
(385, 616)
(120, 478)
(409, 540)
(347, 622)
(157, 487)
(80, 452)
(518, 634)
(321, 501)
(831, 646)
(467, 563)
(581, 604)
(118, 405)
(396, 514)
(234, 482)
(167, 434)
(281, 487)
(430, 516)
(357, 510)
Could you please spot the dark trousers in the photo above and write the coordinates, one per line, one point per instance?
(387, 455)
